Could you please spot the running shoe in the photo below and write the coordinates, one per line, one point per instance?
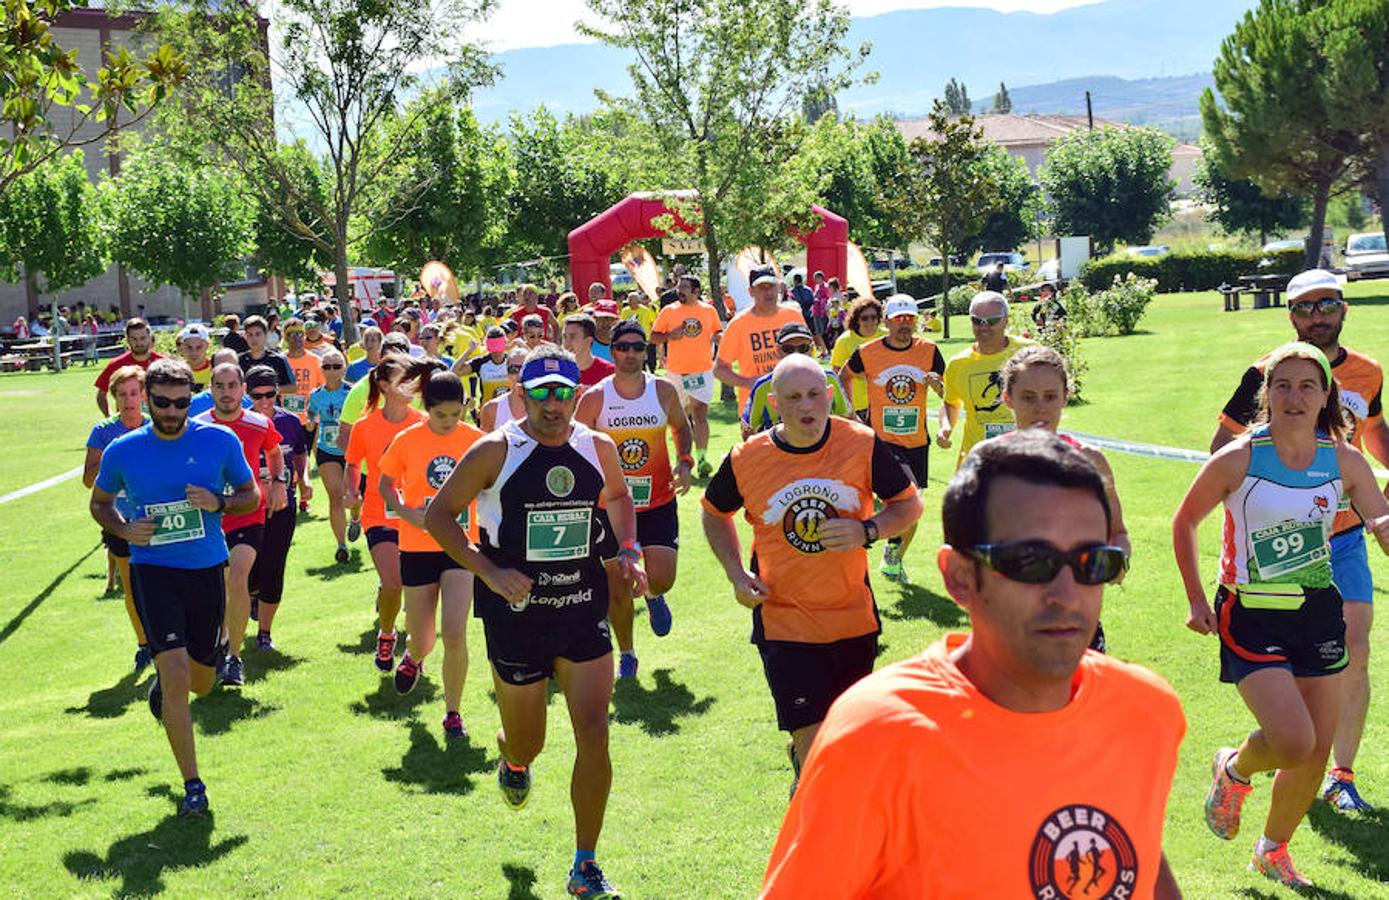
(235, 673)
(705, 470)
(407, 674)
(156, 699)
(354, 530)
(194, 802)
(892, 562)
(659, 611)
(385, 651)
(588, 881)
(454, 728)
(143, 657)
(1225, 798)
(1278, 865)
(303, 506)
(626, 666)
(1339, 790)
(341, 556)
(515, 784)
(263, 641)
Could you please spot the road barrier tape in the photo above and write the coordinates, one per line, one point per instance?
(1156, 451)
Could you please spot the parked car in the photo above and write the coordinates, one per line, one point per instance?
(620, 277)
(935, 262)
(881, 264)
(1012, 262)
(1148, 250)
(1366, 256)
(1293, 244)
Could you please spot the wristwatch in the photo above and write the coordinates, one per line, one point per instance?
(870, 532)
(221, 502)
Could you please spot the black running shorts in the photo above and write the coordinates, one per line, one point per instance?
(523, 653)
(1306, 636)
(806, 678)
(118, 546)
(380, 534)
(180, 608)
(322, 458)
(250, 535)
(420, 568)
(915, 459)
(659, 526)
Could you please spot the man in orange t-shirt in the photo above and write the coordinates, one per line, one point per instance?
(749, 341)
(688, 330)
(1012, 761)
(806, 487)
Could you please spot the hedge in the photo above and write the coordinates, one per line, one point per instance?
(926, 282)
(1198, 270)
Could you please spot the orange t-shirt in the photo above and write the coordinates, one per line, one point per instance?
(420, 461)
(815, 595)
(371, 435)
(749, 342)
(699, 323)
(308, 377)
(897, 388)
(920, 786)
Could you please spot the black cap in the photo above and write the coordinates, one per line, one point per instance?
(261, 376)
(793, 331)
(628, 326)
(761, 274)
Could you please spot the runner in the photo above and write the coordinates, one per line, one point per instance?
(1277, 611)
(577, 335)
(639, 308)
(267, 581)
(532, 331)
(510, 405)
(202, 400)
(325, 406)
(370, 345)
(193, 343)
(429, 340)
(315, 339)
(760, 414)
(1024, 555)
(635, 409)
(490, 371)
(898, 369)
(865, 324)
(244, 531)
(688, 329)
(749, 341)
(541, 588)
(605, 316)
(140, 341)
(174, 474)
(128, 390)
(412, 470)
(307, 369)
(530, 305)
(258, 334)
(393, 386)
(971, 377)
(355, 406)
(1317, 311)
(806, 487)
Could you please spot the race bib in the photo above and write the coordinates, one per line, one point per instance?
(328, 435)
(391, 514)
(640, 486)
(692, 383)
(901, 419)
(1287, 547)
(296, 403)
(994, 429)
(558, 535)
(175, 522)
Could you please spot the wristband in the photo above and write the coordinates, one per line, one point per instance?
(630, 549)
(687, 459)
(221, 502)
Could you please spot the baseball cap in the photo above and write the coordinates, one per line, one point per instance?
(368, 322)
(194, 331)
(628, 326)
(550, 370)
(900, 305)
(1310, 281)
(793, 331)
(604, 308)
(762, 275)
(261, 376)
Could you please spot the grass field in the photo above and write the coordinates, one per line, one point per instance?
(324, 782)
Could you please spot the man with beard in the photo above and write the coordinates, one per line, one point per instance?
(175, 474)
(1317, 311)
(140, 340)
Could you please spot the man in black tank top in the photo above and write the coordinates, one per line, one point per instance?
(542, 592)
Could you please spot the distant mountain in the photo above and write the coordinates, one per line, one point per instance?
(1168, 103)
(916, 51)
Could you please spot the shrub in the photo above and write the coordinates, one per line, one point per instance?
(925, 282)
(1061, 336)
(1198, 270)
(1116, 310)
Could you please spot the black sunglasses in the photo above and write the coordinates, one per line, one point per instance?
(798, 347)
(332, 365)
(166, 402)
(513, 369)
(1326, 306)
(1038, 562)
(630, 347)
(262, 395)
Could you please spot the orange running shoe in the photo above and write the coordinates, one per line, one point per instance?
(1278, 865)
(1225, 798)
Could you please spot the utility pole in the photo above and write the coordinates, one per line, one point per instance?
(1089, 111)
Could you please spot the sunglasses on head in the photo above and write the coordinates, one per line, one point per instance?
(630, 346)
(1038, 562)
(1326, 306)
(166, 402)
(987, 320)
(262, 395)
(560, 392)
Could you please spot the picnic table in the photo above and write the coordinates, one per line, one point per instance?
(1267, 289)
(37, 354)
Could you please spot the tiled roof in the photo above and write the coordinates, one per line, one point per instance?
(1010, 130)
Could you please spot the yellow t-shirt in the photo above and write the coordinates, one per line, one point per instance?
(643, 314)
(972, 384)
(844, 348)
(203, 377)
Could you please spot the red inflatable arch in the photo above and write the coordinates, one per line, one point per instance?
(592, 245)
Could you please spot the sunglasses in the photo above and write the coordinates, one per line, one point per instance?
(329, 366)
(630, 347)
(986, 320)
(1038, 562)
(262, 395)
(510, 369)
(166, 402)
(1326, 306)
(561, 392)
(800, 347)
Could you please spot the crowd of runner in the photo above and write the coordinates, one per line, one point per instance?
(523, 465)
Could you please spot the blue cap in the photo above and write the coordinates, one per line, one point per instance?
(550, 370)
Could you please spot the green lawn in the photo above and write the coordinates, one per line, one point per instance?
(324, 782)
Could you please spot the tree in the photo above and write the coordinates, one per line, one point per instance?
(817, 104)
(347, 68)
(1011, 220)
(48, 105)
(719, 81)
(957, 98)
(176, 224)
(1238, 205)
(846, 162)
(1277, 128)
(1110, 183)
(1002, 102)
(281, 249)
(944, 195)
(49, 232)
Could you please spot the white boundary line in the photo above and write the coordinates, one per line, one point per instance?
(1154, 451)
(40, 485)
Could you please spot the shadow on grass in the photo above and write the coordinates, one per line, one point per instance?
(1364, 835)
(108, 703)
(385, 703)
(1261, 894)
(140, 860)
(13, 625)
(436, 769)
(917, 602)
(337, 569)
(261, 663)
(366, 643)
(656, 709)
(125, 774)
(220, 710)
(74, 777)
(522, 879)
(24, 812)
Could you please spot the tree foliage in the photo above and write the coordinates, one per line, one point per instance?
(280, 248)
(957, 98)
(1239, 205)
(1012, 218)
(1110, 183)
(1002, 102)
(49, 226)
(845, 162)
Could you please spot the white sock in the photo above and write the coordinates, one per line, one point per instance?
(1265, 845)
(1234, 776)
(631, 653)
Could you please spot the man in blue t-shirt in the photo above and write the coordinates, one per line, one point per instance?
(176, 474)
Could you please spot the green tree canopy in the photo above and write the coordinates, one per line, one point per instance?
(49, 228)
(1110, 183)
(1354, 40)
(957, 100)
(1012, 218)
(1002, 102)
(1239, 205)
(281, 247)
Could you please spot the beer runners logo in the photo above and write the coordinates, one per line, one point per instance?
(560, 481)
(803, 505)
(438, 470)
(633, 454)
(900, 383)
(1354, 409)
(1081, 853)
(692, 328)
